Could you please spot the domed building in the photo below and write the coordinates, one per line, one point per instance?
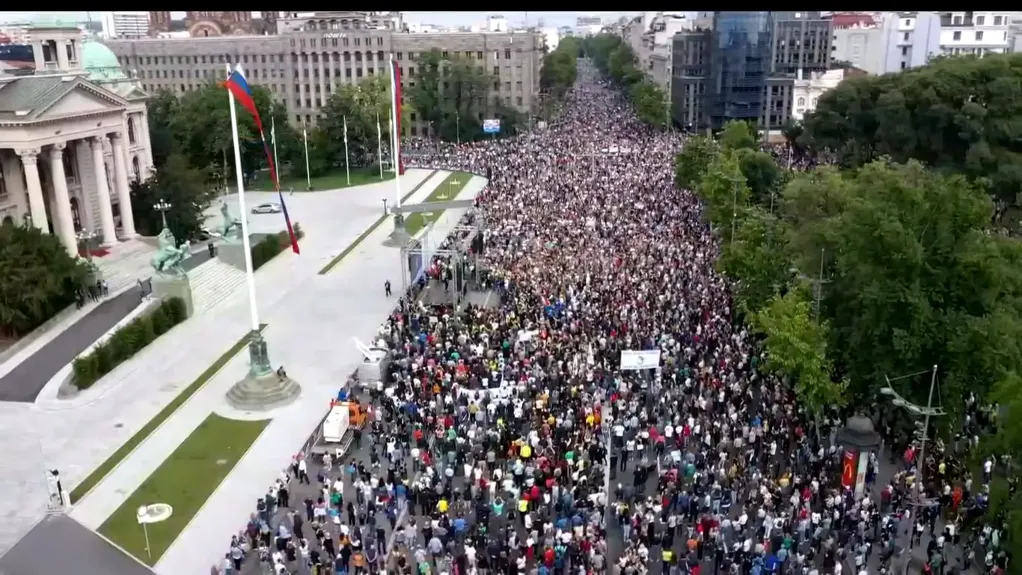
(73, 136)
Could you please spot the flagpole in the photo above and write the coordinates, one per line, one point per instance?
(347, 165)
(308, 175)
(246, 244)
(394, 103)
(379, 143)
(273, 136)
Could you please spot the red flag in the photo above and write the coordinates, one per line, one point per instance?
(287, 220)
(395, 84)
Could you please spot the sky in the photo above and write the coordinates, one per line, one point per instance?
(443, 18)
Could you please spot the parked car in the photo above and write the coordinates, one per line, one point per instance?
(270, 208)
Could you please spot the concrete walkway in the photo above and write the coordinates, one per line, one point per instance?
(311, 334)
(77, 435)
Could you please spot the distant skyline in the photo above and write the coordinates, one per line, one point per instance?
(439, 18)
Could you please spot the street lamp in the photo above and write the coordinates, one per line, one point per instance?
(162, 207)
(898, 401)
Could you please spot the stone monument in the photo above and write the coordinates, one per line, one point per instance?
(263, 388)
(232, 248)
(170, 279)
(400, 237)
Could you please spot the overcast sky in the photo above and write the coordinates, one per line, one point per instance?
(440, 18)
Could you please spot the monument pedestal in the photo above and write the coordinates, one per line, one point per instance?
(233, 253)
(399, 238)
(262, 389)
(168, 286)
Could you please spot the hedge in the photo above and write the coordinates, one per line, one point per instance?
(272, 245)
(128, 341)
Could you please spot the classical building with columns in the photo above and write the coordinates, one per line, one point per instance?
(73, 136)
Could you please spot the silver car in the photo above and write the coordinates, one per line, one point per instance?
(270, 208)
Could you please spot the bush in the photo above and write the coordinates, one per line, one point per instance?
(270, 246)
(127, 341)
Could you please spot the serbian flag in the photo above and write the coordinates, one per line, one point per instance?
(238, 86)
(395, 104)
(287, 220)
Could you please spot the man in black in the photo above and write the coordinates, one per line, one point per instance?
(386, 287)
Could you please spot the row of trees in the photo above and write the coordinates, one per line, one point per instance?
(558, 75)
(616, 59)
(854, 275)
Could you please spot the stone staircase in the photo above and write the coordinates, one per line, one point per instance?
(214, 283)
(126, 263)
(254, 394)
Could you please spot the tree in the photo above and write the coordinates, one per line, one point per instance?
(723, 191)
(38, 278)
(690, 164)
(650, 103)
(797, 350)
(738, 135)
(757, 261)
(761, 174)
(451, 94)
(961, 115)
(560, 68)
(162, 108)
(177, 183)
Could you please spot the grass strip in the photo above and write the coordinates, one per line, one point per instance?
(447, 191)
(93, 479)
(185, 480)
(340, 257)
(334, 180)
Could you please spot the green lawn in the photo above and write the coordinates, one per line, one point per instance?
(184, 481)
(83, 488)
(340, 257)
(331, 181)
(448, 190)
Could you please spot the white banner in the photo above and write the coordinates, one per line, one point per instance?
(632, 359)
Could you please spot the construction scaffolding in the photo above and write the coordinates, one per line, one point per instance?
(462, 248)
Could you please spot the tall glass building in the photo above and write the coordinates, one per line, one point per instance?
(740, 59)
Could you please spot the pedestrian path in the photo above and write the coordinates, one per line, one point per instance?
(311, 334)
(77, 435)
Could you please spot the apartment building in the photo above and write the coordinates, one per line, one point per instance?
(975, 33)
(311, 56)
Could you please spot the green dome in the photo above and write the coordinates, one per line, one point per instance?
(100, 61)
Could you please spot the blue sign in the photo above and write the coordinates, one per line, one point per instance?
(491, 126)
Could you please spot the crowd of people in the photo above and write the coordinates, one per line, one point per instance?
(508, 439)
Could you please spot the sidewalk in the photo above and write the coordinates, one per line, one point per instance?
(77, 435)
(311, 334)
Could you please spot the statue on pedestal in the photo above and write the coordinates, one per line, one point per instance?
(168, 258)
(230, 223)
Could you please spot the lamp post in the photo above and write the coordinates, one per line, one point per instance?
(898, 401)
(84, 238)
(162, 207)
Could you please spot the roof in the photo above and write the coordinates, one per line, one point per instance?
(25, 98)
(851, 19)
(100, 61)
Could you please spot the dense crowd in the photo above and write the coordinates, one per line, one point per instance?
(509, 440)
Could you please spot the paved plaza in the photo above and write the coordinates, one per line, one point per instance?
(78, 434)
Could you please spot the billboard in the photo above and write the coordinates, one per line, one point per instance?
(491, 126)
(633, 359)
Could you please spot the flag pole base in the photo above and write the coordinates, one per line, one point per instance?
(258, 355)
(400, 237)
(262, 389)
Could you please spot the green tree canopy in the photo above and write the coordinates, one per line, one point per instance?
(185, 188)
(560, 68)
(38, 278)
(453, 96)
(691, 163)
(616, 60)
(761, 174)
(360, 105)
(738, 135)
(962, 115)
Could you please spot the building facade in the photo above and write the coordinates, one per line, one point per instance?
(975, 33)
(307, 62)
(807, 90)
(125, 24)
(73, 136)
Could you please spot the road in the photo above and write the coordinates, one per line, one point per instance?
(81, 552)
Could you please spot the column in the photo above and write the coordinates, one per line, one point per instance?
(36, 206)
(147, 144)
(121, 180)
(37, 55)
(106, 214)
(365, 64)
(333, 72)
(61, 205)
(322, 80)
(301, 80)
(61, 55)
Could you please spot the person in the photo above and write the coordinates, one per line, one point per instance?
(281, 374)
(386, 287)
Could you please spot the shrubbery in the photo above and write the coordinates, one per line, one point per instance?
(272, 245)
(128, 341)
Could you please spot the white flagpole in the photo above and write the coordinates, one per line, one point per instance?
(347, 165)
(394, 122)
(243, 216)
(379, 143)
(308, 176)
(273, 138)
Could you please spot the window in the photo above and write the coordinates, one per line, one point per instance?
(906, 36)
(981, 20)
(904, 50)
(903, 65)
(956, 21)
(957, 36)
(358, 41)
(801, 101)
(998, 20)
(507, 54)
(496, 70)
(379, 41)
(479, 55)
(979, 35)
(400, 55)
(519, 100)
(444, 54)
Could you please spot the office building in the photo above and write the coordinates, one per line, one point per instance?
(744, 68)
(975, 33)
(125, 24)
(311, 56)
